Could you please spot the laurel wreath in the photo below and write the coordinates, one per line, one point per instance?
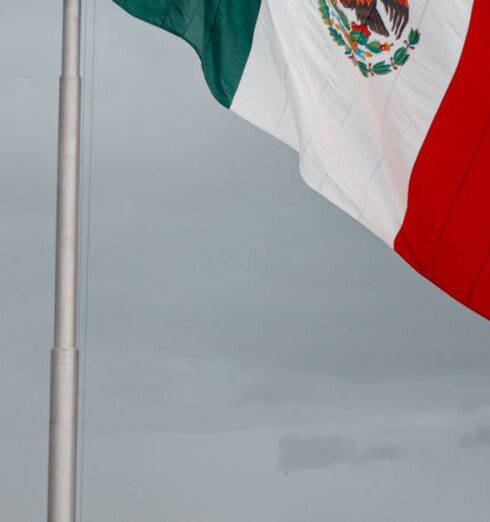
(360, 47)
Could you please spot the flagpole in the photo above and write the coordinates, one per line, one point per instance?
(64, 355)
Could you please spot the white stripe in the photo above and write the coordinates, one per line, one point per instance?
(358, 138)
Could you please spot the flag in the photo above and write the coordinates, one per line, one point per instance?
(386, 101)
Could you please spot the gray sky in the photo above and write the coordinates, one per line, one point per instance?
(253, 354)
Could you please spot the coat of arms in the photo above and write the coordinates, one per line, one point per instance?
(373, 33)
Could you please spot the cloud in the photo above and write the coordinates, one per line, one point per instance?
(478, 438)
(298, 452)
(383, 452)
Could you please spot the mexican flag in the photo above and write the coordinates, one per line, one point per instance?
(386, 101)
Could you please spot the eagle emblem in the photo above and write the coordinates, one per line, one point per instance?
(373, 33)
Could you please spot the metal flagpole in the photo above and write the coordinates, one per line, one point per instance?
(64, 355)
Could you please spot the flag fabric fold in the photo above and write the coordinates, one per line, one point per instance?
(221, 33)
(386, 101)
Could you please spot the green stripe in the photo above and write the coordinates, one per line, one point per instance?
(220, 31)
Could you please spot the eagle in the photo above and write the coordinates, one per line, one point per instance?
(367, 14)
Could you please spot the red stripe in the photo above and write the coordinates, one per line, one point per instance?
(446, 231)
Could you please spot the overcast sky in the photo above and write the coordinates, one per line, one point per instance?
(253, 354)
